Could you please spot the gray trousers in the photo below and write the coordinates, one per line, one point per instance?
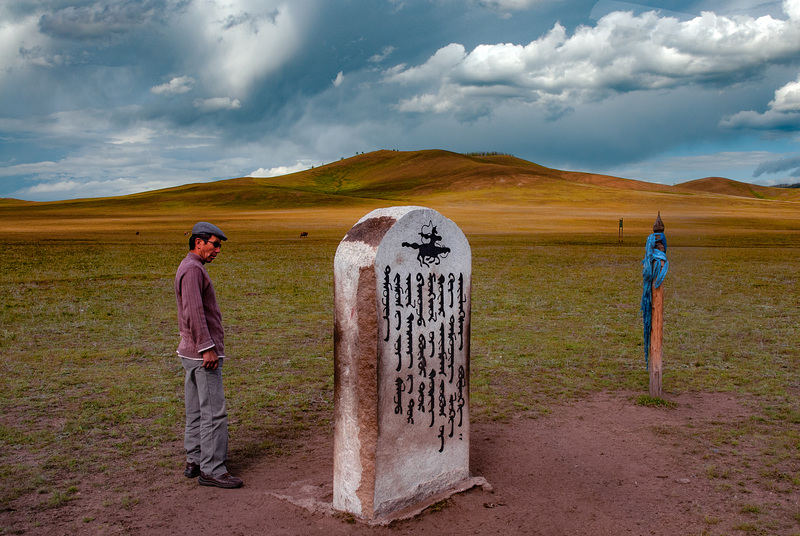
(206, 436)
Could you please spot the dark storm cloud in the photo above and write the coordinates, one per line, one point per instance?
(791, 165)
(100, 19)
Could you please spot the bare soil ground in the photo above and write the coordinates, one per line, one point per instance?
(600, 466)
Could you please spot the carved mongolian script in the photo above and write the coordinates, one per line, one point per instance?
(402, 293)
(423, 316)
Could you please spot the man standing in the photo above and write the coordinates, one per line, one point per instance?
(202, 351)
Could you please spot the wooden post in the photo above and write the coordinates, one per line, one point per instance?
(657, 332)
(656, 338)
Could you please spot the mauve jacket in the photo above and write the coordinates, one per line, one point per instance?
(199, 317)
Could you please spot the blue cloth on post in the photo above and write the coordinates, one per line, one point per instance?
(653, 275)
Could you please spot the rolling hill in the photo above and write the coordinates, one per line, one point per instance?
(396, 177)
(722, 186)
(493, 193)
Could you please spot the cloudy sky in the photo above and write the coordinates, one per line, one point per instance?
(114, 97)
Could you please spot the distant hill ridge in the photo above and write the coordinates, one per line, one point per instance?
(723, 186)
(413, 177)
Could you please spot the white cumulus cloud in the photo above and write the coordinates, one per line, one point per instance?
(783, 113)
(622, 53)
(75, 188)
(792, 8)
(176, 86)
(787, 98)
(279, 171)
(445, 60)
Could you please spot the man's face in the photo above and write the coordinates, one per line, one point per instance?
(208, 251)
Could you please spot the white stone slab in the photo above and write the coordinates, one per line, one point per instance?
(402, 331)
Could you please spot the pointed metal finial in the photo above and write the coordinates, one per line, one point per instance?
(658, 226)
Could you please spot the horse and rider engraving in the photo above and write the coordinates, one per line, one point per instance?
(429, 251)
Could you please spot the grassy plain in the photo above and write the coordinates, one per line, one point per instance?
(91, 385)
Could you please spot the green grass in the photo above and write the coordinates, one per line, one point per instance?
(91, 384)
(655, 402)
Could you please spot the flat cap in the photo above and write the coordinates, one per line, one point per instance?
(203, 227)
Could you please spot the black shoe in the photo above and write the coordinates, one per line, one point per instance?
(192, 470)
(222, 481)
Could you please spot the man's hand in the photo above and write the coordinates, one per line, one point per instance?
(210, 359)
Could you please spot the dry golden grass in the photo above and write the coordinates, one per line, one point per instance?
(87, 290)
(486, 194)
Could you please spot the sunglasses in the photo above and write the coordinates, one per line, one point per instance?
(217, 245)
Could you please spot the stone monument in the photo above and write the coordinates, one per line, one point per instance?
(402, 293)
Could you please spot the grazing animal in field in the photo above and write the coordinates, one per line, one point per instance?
(303, 234)
(137, 233)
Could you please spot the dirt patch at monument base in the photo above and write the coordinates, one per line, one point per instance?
(600, 466)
